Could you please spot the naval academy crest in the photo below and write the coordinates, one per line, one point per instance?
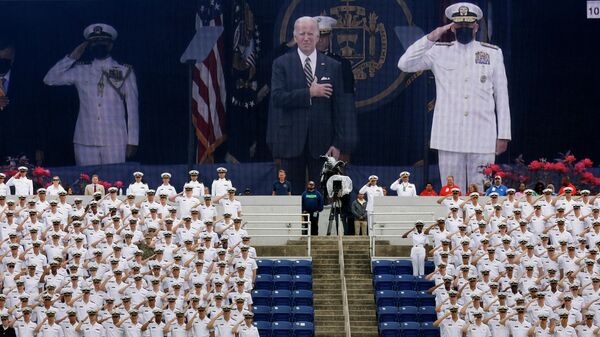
(364, 35)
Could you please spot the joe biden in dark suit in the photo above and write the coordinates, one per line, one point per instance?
(310, 115)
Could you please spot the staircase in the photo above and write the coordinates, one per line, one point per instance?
(361, 299)
(329, 311)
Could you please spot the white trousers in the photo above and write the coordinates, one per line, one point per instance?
(464, 167)
(99, 155)
(417, 255)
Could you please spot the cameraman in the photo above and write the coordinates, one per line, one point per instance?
(312, 204)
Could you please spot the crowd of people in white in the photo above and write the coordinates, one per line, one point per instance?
(143, 265)
(516, 267)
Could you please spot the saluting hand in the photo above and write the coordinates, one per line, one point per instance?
(78, 51)
(437, 33)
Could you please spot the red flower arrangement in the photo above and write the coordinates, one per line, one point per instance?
(548, 172)
(118, 184)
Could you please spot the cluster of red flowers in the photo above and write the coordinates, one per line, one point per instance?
(544, 170)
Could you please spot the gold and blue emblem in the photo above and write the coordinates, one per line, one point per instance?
(482, 57)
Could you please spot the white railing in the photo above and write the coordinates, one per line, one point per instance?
(344, 287)
(381, 228)
(290, 231)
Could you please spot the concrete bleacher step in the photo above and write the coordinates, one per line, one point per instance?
(328, 304)
(359, 282)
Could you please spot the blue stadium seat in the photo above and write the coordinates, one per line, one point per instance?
(281, 297)
(405, 282)
(282, 267)
(389, 329)
(427, 314)
(403, 267)
(410, 329)
(264, 328)
(384, 282)
(281, 313)
(426, 299)
(302, 267)
(282, 282)
(302, 282)
(303, 329)
(261, 297)
(381, 267)
(426, 325)
(303, 314)
(408, 298)
(302, 297)
(429, 267)
(387, 314)
(430, 331)
(262, 313)
(281, 329)
(408, 314)
(421, 283)
(385, 298)
(264, 267)
(264, 282)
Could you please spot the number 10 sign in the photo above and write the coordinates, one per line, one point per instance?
(593, 9)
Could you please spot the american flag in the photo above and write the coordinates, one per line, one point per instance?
(208, 88)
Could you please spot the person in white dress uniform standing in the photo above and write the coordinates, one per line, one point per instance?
(471, 121)
(371, 190)
(138, 188)
(22, 184)
(403, 187)
(107, 129)
(221, 185)
(417, 253)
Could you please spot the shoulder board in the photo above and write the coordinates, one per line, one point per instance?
(444, 43)
(484, 44)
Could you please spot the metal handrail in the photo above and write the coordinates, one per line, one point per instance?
(344, 289)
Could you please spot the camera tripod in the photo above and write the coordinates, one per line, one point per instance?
(334, 214)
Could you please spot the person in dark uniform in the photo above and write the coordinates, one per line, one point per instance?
(6, 328)
(326, 24)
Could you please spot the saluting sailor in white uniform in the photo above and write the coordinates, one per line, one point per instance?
(221, 185)
(417, 253)
(138, 188)
(107, 128)
(22, 184)
(403, 187)
(471, 95)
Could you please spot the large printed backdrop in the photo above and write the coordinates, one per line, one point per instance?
(549, 53)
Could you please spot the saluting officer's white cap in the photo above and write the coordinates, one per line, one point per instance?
(463, 12)
(568, 189)
(547, 190)
(165, 175)
(584, 192)
(404, 173)
(100, 31)
(373, 177)
(138, 174)
(23, 168)
(2, 175)
(325, 23)
(221, 169)
(474, 194)
(193, 173)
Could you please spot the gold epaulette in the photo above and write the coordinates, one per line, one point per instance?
(443, 43)
(490, 45)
